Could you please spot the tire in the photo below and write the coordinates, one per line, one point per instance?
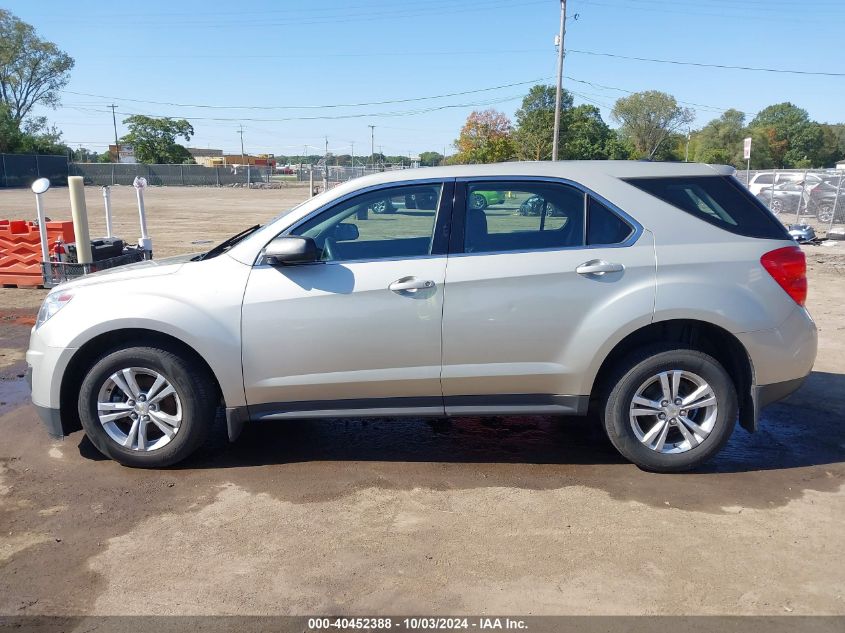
(637, 435)
(382, 207)
(477, 202)
(186, 413)
(825, 212)
(777, 206)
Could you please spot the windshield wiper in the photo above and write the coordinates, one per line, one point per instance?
(225, 245)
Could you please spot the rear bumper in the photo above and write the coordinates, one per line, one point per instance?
(785, 353)
(767, 394)
(781, 359)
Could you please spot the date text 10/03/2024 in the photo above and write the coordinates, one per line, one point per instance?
(416, 623)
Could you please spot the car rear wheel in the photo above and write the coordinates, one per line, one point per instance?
(777, 206)
(670, 410)
(147, 407)
(825, 212)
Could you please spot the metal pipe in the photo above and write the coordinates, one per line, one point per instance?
(772, 196)
(801, 199)
(42, 228)
(145, 242)
(107, 201)
(835, 203)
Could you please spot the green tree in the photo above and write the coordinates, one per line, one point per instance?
(585, 135)
(535, 122)
(794, 140)
(720, 141)
(486, 137)
(32, 70)
(33, 136)
(154, 139)
(431, 159)
(649, 118)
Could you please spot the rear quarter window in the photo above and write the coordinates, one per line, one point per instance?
(718, 200)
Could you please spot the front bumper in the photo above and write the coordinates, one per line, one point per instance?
(50, 417)
(45, 367)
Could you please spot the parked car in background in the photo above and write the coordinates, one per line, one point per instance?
(823, 201)
(769, 178)
(784, 197)
(483, 199)
(661, 296)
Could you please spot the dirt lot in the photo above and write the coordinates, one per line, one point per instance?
(474, 515)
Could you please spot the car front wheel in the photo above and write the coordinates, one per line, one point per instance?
(146, 406)
(670, 410)
(825, 213)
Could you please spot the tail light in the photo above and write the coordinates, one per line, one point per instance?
(788, 267)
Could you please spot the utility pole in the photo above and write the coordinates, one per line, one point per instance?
(326, 166)
(352, 143)
(243, 155)
(686, 153)
(559, 93)
(241, 132)
(373, 144)
(116, 144)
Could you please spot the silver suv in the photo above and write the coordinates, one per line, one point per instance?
(665, 298)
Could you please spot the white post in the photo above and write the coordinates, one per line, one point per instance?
(107, 201)
(145, 242)
(79, 213)
(311, 183)
(42, 226)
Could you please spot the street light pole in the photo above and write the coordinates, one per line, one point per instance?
(559, 93)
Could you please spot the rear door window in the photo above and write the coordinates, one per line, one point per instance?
(718, 200)
(604, 227)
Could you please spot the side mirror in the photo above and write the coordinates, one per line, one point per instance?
(345, 232)
(291, 249)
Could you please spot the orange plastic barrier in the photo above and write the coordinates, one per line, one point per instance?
(20, 250)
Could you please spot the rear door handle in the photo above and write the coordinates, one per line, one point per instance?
(599, 267)
(410, 283)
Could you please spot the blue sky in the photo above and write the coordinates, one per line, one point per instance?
(272, 55)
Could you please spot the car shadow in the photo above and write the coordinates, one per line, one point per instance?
(807, 429)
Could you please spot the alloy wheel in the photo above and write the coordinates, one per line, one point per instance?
(139, 408)
(673, 411)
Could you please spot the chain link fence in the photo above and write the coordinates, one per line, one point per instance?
(335, 174)
(169, 175)
(21, 170)
(815, 197)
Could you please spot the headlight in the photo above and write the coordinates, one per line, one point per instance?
(54, 302)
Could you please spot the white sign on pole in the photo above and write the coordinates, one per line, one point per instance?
(746, 148)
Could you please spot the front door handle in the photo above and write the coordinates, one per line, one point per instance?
(410, 283)
(599, 267)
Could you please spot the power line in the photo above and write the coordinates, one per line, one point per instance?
(396, 113)
(704, 65)
(313, 107)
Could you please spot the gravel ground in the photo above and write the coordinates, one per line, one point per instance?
(521, 515)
